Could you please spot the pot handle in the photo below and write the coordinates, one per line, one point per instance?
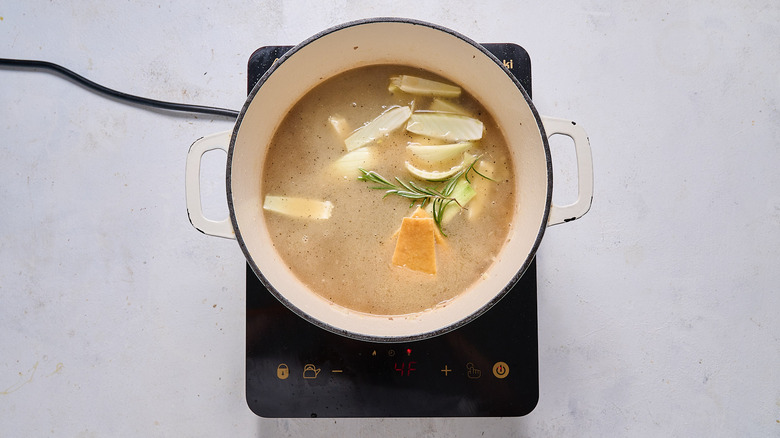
(565, 213)
(223, 228)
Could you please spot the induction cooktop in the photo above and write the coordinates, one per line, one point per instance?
(487, 368)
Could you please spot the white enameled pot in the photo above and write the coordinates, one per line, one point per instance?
(390, 41)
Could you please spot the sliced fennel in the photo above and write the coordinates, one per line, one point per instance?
(388, 121)
(447, 106)
(339, 125)
(438, 153)
(350, 162)
(298, 207)
(445, 126)
(441, 175)
(434, 175)
(422, 87)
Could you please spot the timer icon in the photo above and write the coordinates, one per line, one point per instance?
(500, 370)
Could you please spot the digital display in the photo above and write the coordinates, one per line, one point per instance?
(405, 368)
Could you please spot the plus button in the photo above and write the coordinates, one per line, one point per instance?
(446, 370)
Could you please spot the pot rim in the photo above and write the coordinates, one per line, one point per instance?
(361, 336)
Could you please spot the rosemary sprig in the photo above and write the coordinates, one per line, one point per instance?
(440, 197)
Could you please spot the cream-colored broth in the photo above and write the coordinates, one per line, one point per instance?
(347, 258)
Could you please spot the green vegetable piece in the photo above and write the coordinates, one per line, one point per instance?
(482, 187)
(462, 194)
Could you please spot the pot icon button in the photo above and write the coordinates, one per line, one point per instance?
(500, 370)
(310, 371)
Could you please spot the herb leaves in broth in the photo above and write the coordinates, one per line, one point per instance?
(343, 237)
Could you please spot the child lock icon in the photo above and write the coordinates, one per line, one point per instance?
(282, 371)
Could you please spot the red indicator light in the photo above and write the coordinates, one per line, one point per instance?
(408, 351)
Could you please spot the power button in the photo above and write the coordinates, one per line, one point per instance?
(500, 370)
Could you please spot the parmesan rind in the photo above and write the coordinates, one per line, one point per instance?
(416, 245)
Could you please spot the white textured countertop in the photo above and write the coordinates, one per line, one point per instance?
(658, 310)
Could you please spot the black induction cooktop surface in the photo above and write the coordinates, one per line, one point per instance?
(487, 368)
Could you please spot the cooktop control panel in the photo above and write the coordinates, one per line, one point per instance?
(486, 368)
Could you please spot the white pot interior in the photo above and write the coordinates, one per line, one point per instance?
(395, 42)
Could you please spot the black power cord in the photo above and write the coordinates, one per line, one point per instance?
(171, 106)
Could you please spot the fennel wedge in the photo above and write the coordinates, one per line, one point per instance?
(433, 175)
(387, 122)
(422, 87)
(349, 163)
(445, 126)
(439, 153)
(447, 106)
(298, 207)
